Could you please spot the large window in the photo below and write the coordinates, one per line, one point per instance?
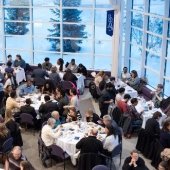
(149, 43)
(57, 28)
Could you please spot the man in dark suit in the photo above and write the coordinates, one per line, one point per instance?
(28, 109)
(39, 75)
(47, 107)
(90, 144)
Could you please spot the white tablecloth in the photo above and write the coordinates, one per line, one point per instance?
(128, 90)
(72, 134)
(19, 72)
(143, 106)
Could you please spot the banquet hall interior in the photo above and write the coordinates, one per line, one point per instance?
(85, 84)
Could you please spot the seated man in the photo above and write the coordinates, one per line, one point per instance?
(56, 116)
(14, 159)
(27, 88)
(90, 144)
(48, 135)
(47, 107)
(134, 162)
(46, 65)
(72, 66)
(28, 109)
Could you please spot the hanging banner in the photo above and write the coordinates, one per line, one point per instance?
(110, 22)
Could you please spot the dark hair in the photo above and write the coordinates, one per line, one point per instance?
(9, 63)
(61, 64)
(46, 59)
(9, 75)
(112, 78)
(156, 115)
(135, 73)
(13, 94)
(51, 86)
(134, 100)
(109, 85)
(125, 67)
(8, 86)
(112, 130)
(165, 126)
(160, 86)
(26, 165)
(46, 98)
(28, 101)
(74, 91)
(9, 56)
(121, 90)
(127, 96)
(19, 56)
(134, 151)
(72, 60)
(39, 65)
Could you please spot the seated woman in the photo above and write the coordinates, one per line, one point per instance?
(165, 134)
(7, 92)
(48, 87)
(4, 134)
(13, 128)
(9, 80)
(91, 116)
(60, 65)
(72, 115)
(158, 95)
(111, 140)
(69, 76)
(134, 81)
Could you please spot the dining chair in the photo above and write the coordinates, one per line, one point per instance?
(58, 152)
(100, 167)
(27, 119)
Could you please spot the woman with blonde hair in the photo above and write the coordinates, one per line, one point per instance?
(13, 128)
(99, 77)
(4, 134)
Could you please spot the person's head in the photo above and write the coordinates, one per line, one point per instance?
(121, 90)
(55, 115)
(134, 155)
(163, 165)
(16, 152)
(3, 130)
(39, 65)
(8, 88)
(166, 126)
(46, 60)
(127, 97)
(109, 86)
(46, 98)
(159, 87)
(60, 61)
(107, 120)
(112, 79)
(68, 72)
(134, 74)
(134, 101)
(18, 57)
(9, 75)
(125, 69)
(101, 73)
(94, 132)
(110, 130)
(29, 83)
(73, 92)
(9, 64)
(53, 69)
(72, 112)
(9, 57)
(80, 65)
(89, 113)
(25, 165)
(106, 78)
(157, 115)
(51, 122)
(8, 115)
(60, 92)
(13, 94)
(28, 101)
(73, 61)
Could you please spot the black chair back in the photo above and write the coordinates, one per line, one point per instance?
(8, 145)
(27, 118)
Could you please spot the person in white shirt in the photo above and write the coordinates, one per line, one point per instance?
(125, 75)
(48, 134)
(111, 140)
(119, 95)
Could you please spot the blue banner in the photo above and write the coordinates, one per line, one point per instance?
(110, 22)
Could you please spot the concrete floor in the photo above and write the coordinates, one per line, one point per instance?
(30, 148)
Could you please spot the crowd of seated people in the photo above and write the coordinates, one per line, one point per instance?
(61, 107)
